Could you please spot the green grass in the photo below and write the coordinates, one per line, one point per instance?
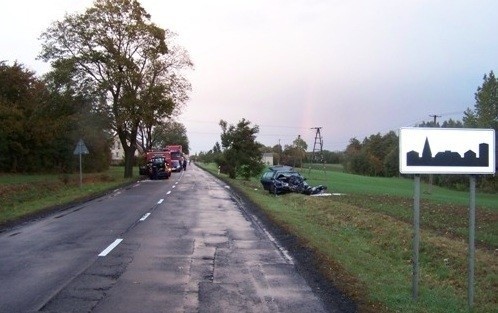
(363, 240)
(23, 195)
(442, 209)
(357, 184)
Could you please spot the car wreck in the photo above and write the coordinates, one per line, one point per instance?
(284, 179)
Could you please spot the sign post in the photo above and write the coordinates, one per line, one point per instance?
(416, 237)
(79, 150)
(446, 151)
(472, 247)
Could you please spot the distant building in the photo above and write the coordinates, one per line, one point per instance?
(117, 152)
(268, 159)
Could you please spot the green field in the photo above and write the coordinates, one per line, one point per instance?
(25, 195)
(363, 239)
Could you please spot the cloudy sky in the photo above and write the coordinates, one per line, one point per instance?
(354, 68)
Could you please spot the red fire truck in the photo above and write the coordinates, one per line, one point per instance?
(176, 151)
(177, 157)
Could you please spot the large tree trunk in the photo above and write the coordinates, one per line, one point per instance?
(129, 149)
(129, 158)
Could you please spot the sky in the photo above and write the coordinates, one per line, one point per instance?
(352, 67)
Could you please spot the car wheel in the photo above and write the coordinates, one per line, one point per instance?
(272, 189)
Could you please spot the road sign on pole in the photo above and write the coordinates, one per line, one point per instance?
(446, 151)
(79, 150)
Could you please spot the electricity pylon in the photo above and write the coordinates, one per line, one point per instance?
(317, 155)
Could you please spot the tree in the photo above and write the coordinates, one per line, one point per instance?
(452, 124)
(332, 157)
(177, 86)
(241, 152)
(300, 148)
(277, 149)
(42, 119)
(291, 156)
(27, 128)
(114, 45)
(73, 105)
(352, 150)
(375, 156)
(485, 113)
(294, 154)
(170, 132)
(217, 148)
(446, 124)
(213, 155)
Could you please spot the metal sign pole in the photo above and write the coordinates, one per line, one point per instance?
(81, 173)
(417, 157)
(472, 227)
(79, 150)
(416, 237)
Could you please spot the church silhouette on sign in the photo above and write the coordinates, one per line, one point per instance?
(448, 158)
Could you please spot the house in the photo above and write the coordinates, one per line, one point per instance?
(117, 152)
(267, 159)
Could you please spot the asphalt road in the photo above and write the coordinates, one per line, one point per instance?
(185, 244)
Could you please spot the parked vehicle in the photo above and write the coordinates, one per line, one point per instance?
(175, 151)
(176, 166)
(158, 168)
(151, 156)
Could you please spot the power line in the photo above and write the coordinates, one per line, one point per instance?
(259, 125)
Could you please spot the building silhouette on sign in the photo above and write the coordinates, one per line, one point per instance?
(448, 158)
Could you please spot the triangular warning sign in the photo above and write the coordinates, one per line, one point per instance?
(81, 148)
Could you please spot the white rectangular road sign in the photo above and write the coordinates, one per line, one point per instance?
(447, 151)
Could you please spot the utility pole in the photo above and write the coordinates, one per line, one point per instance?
(435, 117)
(431, 177)
(279, 152)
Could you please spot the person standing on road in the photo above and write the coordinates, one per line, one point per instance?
(184, 164)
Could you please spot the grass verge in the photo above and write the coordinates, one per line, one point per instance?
(363, 240)
(23, 196)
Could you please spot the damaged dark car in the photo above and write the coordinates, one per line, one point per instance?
(284, 179)
(158, 168)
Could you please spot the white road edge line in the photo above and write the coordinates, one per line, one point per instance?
(111, 246)
(160, 201)
(169, 191)
(144, 217)
(284, 251)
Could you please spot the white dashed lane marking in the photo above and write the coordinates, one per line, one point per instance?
(144, 217)
(111, 247)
